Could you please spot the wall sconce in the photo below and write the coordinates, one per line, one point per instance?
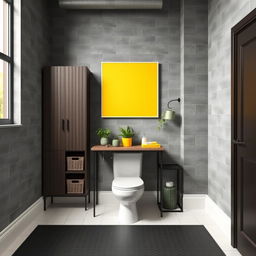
(170, 113)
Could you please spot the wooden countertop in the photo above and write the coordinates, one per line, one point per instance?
(133, 148)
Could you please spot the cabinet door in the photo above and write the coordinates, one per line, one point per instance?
(54, 109)
(76, 105)
(54, 173)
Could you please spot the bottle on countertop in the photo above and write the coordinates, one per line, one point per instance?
(143, 140)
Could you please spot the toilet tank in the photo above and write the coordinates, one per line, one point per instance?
(127, 164)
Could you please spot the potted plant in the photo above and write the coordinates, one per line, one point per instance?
(103, 133)
(115, 142)
(127, 134)
(161, 123)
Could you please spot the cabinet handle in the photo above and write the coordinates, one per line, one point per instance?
(239, 142)
(63, 124)
(68, 125)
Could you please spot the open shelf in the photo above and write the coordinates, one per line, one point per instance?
(173, 172)
(162, 209)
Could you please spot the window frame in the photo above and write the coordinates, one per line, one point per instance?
(10, 60)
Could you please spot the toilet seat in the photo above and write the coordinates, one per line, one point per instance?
(128, 183)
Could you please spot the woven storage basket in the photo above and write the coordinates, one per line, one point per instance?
(75, 186)
(75, 163)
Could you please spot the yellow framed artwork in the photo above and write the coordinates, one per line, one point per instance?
(129, 89)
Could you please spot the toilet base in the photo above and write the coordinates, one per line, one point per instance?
(127, 209)
(128, 213)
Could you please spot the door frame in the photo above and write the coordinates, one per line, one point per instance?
(249, 19)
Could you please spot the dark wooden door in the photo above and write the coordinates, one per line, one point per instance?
(76, 107)
(54, 129)
(244, 136)
(54, 109)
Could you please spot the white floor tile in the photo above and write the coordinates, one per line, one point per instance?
(76, 216)
(202, 217)
(55, 215)
(187, 218)
(233, 252)
(107, 214)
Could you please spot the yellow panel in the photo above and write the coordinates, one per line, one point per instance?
(130, 89)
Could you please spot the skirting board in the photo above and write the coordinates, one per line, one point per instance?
(191, 202)
(219, 216)
(20, 225)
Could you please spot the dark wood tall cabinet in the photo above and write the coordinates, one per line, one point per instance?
(65, 131)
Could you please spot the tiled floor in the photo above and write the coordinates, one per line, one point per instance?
(74, 214)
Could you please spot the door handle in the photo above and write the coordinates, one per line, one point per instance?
(68, 125)
(63, 124)
(239, 142)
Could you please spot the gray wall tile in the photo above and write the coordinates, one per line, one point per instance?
(20, 148)
(221, 20)
(194, 86)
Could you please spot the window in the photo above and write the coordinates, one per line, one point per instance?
(6, 61)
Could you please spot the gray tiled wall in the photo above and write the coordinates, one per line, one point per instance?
(20, 148)
(194, 84)
(89, 37)
(223, 15)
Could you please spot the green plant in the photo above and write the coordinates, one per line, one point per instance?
(127, 132)
(103, 132)
(161, 123)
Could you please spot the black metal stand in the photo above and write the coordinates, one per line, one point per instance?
(85, 203)
(179, 174)
(96, 170)
(95, 186)
(44, 203)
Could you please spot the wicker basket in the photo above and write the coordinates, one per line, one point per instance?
(75, 163)
(75, 186)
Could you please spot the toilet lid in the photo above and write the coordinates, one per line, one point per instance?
(126, 183)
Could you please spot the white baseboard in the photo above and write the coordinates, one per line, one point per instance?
(219, 216)
(190, 201)
(194, 201)
(20, 224)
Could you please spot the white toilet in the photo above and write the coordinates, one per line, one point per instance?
(127, 185)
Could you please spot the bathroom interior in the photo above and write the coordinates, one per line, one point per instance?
(119, 127)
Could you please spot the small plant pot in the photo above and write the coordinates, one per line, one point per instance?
(103, 141)
(115, 142)
(127, 142)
